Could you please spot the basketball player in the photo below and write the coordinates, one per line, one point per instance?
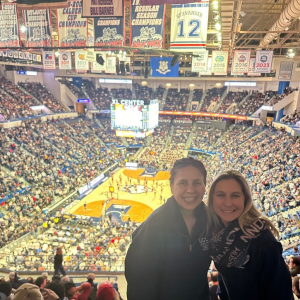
(84, 206)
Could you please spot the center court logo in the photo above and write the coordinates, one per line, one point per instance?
(163, 67)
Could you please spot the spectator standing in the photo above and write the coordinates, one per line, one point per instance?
(242, 244)
(168, 257)
(5, 290)
(58, 260)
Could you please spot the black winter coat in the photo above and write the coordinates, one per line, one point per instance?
(264, 277)
(163, 262)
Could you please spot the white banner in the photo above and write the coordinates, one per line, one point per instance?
(286, 70)
(252, 68)
(199, 62)
(90, 55)
(263, 61)
(109, 8)
(219, 64)
(97, 68)
(208, 72)
(189, 26)
(72, 28)
(241, 62)
(65, 60)
(49, 60)
(111, 65)
(80, 63)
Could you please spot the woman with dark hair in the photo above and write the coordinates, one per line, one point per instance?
(168, 257)
(242, 244)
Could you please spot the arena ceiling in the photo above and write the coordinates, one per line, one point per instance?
(244, 24)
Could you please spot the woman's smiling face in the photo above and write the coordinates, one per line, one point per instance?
(188, 187)
(228, 200)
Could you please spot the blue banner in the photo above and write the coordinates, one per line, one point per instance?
(9, 28)
(147, 25)
(161, 67)
(109, 32)
(38, 28)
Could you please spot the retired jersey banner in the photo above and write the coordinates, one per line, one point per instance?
(65, 60)
(189, 26)
(286, 70)
(199, 62)
(241, 61)
(147, 25)
(263, 61)
(102, 8)
(41, 4)
(111, 63)
(80, 63)
(219, 62)
(38, 28)
(161, 67)
(72, 29)
(251, 71)
(49, 60)
(9, 28)
(109, 32)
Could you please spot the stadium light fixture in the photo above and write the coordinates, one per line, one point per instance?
(143, 83)
(218, 26)
(23, 29)
(168, 85)
(56, 53)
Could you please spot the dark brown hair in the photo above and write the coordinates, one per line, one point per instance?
(186, 162)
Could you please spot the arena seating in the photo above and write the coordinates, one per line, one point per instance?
(231, 99)
(212, 97)
(37, 90)
(176, 101)
(143, 92)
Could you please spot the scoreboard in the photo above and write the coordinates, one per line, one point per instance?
(133, 115)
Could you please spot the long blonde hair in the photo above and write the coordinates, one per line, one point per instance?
(250, 213)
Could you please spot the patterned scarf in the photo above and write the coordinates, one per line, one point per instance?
(229, 246)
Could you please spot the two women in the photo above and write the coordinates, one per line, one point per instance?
(168, 257)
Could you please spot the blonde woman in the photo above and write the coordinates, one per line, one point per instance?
(242, 244)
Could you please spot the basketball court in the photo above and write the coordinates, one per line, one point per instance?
(136, 194)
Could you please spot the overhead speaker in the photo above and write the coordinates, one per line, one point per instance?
(118, 68)
(174, 60)
(99, 59)
(122, 68)
(127, 68)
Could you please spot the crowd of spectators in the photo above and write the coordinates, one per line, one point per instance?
(176, 101)
(231, 100)
(37, 90)
(212, 98)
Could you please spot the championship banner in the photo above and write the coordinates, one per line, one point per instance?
(208, 72)
(41, 4)
(219, 64)
(161, 67)
(49, 60)
(102, 8)
(38, 28)
(252, 68)
(286, 70)
(263, 61)
(65, 60)
(159, 2)
(9, 28)
(72, 29)
(189, 26)
(199, 62)
(80, 63)
(97, 68)
(147, 25)
(241, 62)
(111, 65)
(109, 32)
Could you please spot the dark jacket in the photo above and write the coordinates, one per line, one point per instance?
(163, 262)
(295, 271)
(264, 277)
(58, 259)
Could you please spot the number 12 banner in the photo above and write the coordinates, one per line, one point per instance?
(241, 61)
(189, 26)
(263, 61)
